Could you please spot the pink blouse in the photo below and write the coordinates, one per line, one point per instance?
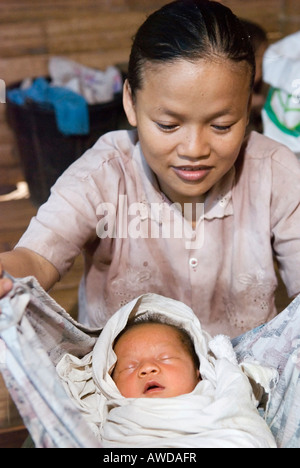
(109, 206)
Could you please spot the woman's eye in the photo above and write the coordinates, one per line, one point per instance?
(222, 128)
(166, 128)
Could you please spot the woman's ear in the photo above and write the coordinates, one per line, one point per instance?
(129, 105)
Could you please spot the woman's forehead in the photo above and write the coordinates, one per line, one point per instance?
(189, 67)
(183, 84)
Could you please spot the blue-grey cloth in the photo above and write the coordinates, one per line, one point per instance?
(71, 109)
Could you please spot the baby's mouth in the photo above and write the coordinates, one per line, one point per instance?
(152, 387)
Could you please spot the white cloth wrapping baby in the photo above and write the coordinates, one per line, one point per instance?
(220, 412)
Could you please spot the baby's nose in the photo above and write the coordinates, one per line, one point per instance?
(148, 368)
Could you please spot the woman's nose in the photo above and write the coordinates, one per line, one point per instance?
(148, 368)
(195, 144)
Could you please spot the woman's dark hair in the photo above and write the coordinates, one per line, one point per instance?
(151, 318)
(256, 33)
(189, 29)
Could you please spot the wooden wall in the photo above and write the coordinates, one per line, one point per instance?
(96, 33)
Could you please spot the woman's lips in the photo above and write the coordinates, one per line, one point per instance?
(192, 173)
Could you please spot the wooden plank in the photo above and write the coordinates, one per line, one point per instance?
(2, 111)
(35, 10)
(290, 17)
(90, 41)
(19, 10)
(8, 155)
(13, 437)
(21, 39)
(267, 16)
(15, 215)
(6, 133)
(291, 8)
(11, 175)
(18, 68)
(101, 21)
(18, 46)
(145, 4)
(25, 38)
(9, 415)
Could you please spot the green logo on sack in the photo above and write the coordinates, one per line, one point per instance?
(283, 110)
(296, 93)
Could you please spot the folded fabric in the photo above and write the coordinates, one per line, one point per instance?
(96, 86)
(220, 412)
(71, 109)
(281, 64)
(35, 334)
(281, 112)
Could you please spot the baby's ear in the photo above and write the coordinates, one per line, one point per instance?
(198, 375)
(128, 104)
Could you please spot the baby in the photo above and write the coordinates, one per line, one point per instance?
(155, 378)
(155, 360)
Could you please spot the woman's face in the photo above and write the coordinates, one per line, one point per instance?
(191, 119)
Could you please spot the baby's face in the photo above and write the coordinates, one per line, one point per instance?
(152, 362)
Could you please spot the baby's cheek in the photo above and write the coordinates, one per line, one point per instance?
(126, 384)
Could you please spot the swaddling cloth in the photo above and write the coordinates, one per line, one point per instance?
(220, 412)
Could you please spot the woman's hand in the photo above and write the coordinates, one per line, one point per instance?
(22, 262)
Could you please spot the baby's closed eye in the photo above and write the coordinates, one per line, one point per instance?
(167, 358)
(127, 366)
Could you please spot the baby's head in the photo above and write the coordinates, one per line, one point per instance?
(155, 359)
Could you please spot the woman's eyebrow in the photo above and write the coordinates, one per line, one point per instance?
(214, 115)
(169, 113)
(221, 113)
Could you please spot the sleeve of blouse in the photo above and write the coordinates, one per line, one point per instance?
(68, 220)
(285, 217)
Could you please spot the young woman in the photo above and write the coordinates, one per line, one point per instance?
(182, 206)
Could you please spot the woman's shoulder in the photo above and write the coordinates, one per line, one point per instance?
(112, 150)
(119, 143)
(260, 147)
(102, 170)
(262, 156)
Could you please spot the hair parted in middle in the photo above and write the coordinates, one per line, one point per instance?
(191, 30)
